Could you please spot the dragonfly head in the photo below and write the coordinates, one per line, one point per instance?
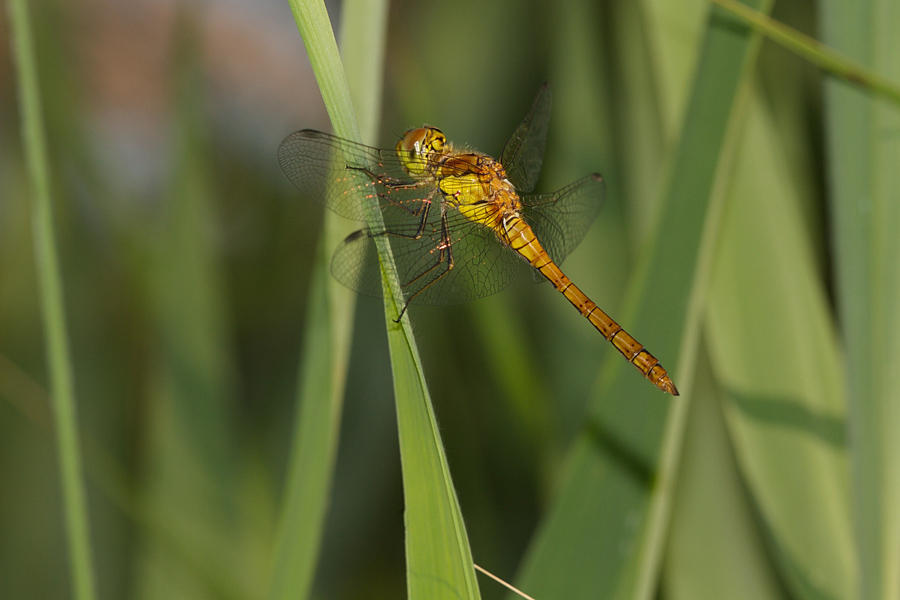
(419, 147)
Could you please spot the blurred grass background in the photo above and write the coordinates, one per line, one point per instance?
(186, 259)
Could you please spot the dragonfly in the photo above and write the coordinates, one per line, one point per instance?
(459, 223)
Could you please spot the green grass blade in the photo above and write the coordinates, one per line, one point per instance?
(818, 54)
(774, 349)
(329, 318)
(52, 307)
(438, 558)
(863, 157)
(612, 510)
(439, 562)
(363, 33)
(315, 437)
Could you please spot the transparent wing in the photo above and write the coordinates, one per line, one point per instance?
(338, 173)
(441, 257)
(561, 219)
(524, 152)
(481, 265)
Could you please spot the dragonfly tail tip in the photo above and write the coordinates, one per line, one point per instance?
(666, 385)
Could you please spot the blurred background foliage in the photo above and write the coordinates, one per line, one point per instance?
(185, 256)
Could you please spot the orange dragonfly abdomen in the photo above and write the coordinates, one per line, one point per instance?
(520, 237)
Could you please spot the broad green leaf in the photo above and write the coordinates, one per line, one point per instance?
(863, 153)
(604, 535)
(774, 350)
(715, 547)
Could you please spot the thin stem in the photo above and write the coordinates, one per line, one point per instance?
(503, 583)
(53, 313)
(815, 52)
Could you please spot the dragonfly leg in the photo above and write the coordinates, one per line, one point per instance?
(443, 250)
(422, 213)
(395, 185)
(445, 255)
(390, 182)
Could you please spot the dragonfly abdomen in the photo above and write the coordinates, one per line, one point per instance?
(520, 237)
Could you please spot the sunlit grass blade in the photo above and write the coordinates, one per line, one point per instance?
(439, 562)
(606, 532)
(438, 559)
(774, 349)
(863, 152)
(56, 339)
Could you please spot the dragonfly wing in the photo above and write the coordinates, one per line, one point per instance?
(524, 152)
(339, 174)
(481, 265)
(561, 219)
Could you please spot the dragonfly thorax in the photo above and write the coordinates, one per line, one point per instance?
(477, 186)
(420, 148)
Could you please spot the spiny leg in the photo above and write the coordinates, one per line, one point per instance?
(444, 249)
(395, 185)
(445, 252)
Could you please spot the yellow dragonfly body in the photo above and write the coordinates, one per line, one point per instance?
(457, 224)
